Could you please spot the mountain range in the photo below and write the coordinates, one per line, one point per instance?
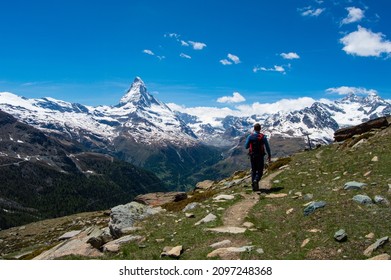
(177, 146)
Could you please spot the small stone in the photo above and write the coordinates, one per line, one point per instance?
(381, 200)
(305, 242)
(190, 206)
(308, 196)
(221, 244)
(173, 252)
(209, 218)
(314, 230)
(354, 185)
(314, 206)
(289, 211)
(341, 236)
(276, 195)
(379, 243)
(375, 158)
(224, 197)
(336, 178)
(248, 225)
(160, 240)
(362, 199)
(367, 173)
(370, 235)
(260, 251)
(190, 215)
(382, 257)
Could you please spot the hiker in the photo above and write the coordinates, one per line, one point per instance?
(257, 144)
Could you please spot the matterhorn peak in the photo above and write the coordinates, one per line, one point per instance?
(137, 94)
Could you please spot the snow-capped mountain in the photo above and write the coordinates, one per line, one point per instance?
(138, 116)
(141, 118)
(319, 121)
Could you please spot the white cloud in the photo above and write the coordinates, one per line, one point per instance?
(235, 98)
(345, 90)
(225, 62)
(283, 105)
(354, 15)
(364, 42)
(184, 43)
(185, 56)
(149, 52)
(234, 58)
(211, 114)
(172, 35)
(197, 45)
(231, 59)
(290, 55)
(311, 12)
(276, 68)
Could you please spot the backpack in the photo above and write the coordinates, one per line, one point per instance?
(257, 146)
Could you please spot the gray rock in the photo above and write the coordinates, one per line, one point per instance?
(314, 206)
(362, 199)
(191, 206)
(341, 235)
(69, 235)
(381, 200)
(125, 216)
(209, 218)
(354, 185)
(308, 196)
(114, 246)
(223, 197)
(379, 243)
(221, 244)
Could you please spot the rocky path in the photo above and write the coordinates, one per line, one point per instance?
(235, 215)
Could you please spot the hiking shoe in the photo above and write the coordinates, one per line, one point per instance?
(255, 186)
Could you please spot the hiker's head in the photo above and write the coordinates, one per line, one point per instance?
(257, 127)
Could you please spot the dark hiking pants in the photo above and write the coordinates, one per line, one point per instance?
(257, 165)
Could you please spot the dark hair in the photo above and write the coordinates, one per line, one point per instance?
(257, 127)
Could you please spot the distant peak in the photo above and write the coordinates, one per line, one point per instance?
(137, 94)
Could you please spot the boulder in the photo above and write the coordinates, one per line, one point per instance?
(125, 216)
(191, 206)
(160, 198)
(204, 185)
(77, 245)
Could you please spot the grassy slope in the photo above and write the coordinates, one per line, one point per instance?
(322, 173)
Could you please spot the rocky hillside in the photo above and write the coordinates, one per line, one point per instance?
(328, 203)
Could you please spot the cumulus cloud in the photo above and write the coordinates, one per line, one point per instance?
(311, 12)
(345, 90)
(183, 55)
(231, 59)
(276, 68)
(197, 45)
(225, 62)
(283, 105)
(290, 55)
(354, 15)
(364, 42)
(235, 98)
(149, 52)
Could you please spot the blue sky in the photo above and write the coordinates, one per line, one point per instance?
(195, 53)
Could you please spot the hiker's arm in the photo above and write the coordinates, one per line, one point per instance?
(267, 146)
(247, 145)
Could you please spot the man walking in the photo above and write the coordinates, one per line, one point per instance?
(257, 144)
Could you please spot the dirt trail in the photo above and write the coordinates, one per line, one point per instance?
(234, 216)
